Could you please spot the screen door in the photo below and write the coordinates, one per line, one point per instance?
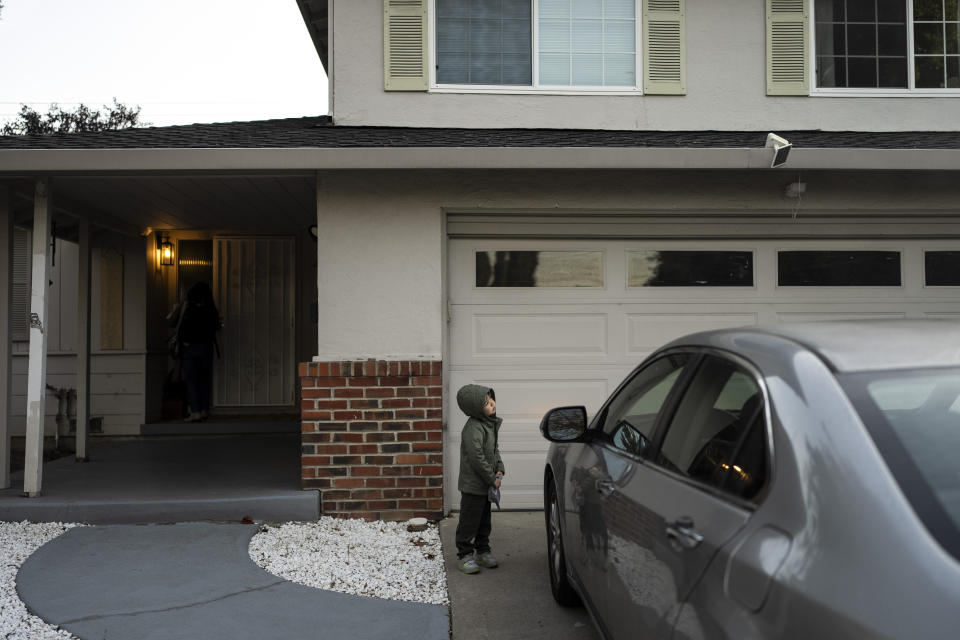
(254, 288)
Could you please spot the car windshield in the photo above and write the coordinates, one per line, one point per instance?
(914, 417)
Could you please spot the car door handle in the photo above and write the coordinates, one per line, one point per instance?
(606, 487)
(682, 535)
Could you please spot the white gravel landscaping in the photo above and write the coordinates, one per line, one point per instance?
(379, 559)
(17, 541)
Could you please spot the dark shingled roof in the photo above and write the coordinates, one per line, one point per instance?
(319, 132)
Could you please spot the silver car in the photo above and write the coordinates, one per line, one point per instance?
(788, 481)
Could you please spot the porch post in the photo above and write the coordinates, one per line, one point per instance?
(83, 340)
(6, 297)
(37, 373)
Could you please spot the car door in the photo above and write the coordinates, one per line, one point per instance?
(626, 423)
(668, 513)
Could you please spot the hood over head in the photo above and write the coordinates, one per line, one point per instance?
(470, 399)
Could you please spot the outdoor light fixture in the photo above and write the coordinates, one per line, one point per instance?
(165, 249)
(795, 190)
(781, 149)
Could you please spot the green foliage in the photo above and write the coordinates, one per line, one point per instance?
(30, 122)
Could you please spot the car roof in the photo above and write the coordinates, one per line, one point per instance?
(860, 345)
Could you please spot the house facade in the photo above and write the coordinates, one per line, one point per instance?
(591, 181)
(527, 194)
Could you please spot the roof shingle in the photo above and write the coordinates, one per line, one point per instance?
(320, 132)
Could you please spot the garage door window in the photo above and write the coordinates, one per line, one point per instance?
(942, 268)
(838, 268)
(539, 268)
(690, 268)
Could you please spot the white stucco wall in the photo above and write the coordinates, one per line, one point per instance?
(380, 254)
(378, 269)
(726, 88)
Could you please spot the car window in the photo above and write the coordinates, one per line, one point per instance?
(914, 417)
(632, 414)
(736, 392)
(716, 435)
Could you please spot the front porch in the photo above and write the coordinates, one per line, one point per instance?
(176, 478)
(118, 251)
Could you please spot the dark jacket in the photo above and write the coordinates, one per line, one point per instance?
(201, 320)
(200, 323)
(479, 455)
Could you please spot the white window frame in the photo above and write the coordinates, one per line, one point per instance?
(861, 92)
(661, 247)
(536, 88)
(529, 247)
(840, 291)
(923, 269)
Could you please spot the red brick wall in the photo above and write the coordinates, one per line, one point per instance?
(371, 438)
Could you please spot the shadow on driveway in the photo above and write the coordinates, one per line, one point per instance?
(513, 600)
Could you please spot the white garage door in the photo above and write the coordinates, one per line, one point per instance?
(561, 322)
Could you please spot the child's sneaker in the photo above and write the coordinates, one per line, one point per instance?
(487, 561)
(468, 565)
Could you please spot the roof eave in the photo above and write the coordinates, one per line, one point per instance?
(29, 161)
(315, 18)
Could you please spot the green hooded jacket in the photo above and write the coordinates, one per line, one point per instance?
(479, 455)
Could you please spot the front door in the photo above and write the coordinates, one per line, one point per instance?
(254, 288)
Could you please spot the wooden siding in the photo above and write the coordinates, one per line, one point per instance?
(117, 390)
(118, 379)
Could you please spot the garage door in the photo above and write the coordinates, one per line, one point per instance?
(562, 321)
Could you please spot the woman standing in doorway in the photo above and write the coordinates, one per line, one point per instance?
(197, 335)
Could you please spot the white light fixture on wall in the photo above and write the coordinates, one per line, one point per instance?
(795, 189)
(781, 149)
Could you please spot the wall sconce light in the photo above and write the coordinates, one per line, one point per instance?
(795, 190)
(781, 149)
(165, 250)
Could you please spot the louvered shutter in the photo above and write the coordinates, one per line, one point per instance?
(664, 64)
(20, 308)
(405, 45)
(787, 41)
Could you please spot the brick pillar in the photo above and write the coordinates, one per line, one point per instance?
(371, 438)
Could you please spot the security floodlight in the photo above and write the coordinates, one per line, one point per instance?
(781, 149)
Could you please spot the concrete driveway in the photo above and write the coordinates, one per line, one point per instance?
(513, 600)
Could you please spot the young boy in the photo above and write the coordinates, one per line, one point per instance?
(480, 467)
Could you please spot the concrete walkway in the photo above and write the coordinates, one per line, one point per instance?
(512, 601)
(193, 580)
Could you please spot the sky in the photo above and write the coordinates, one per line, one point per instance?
(181, 61)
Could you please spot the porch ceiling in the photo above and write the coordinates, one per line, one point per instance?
(265, 203)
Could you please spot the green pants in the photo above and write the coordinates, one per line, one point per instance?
(473, 529)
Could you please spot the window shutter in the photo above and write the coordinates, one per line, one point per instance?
(20, 308)
(405, 45)
(787, 42)
(664, 63)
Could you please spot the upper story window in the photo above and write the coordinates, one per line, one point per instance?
(887, 44)
(588, 44)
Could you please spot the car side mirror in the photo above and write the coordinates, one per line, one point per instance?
(564, 424)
